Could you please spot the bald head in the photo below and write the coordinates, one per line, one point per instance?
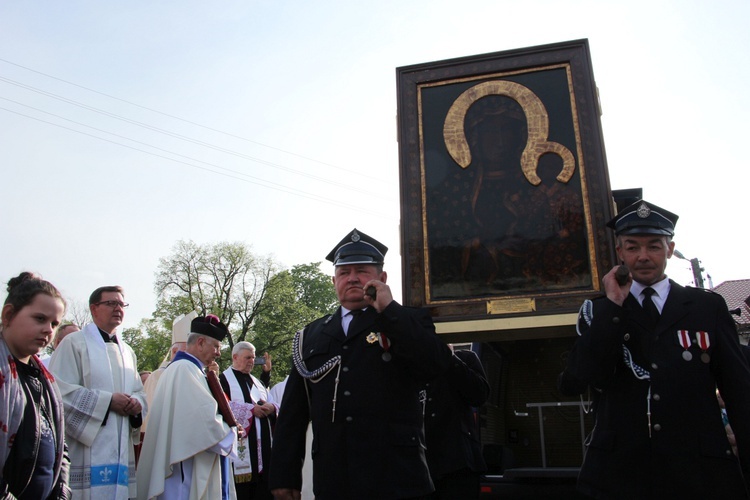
(63, 332)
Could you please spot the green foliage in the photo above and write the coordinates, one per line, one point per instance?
(314, 288)
(294, 299)
(253, 296)
(150, 341)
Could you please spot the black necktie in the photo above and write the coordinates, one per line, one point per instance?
(649, 306)
(355, 314)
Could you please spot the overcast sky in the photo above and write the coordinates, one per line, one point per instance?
(127, 126)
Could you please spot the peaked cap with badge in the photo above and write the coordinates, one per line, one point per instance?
(357, 248)
(209, 325)
(643, 217)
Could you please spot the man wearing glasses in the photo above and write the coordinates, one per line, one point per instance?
(104, 401)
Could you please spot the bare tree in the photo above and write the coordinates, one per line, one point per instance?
(225, 279)
(78, 312)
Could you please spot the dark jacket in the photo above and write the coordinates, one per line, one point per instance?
(687, 454)
(372, 446)
(451, 427)
(22, 463)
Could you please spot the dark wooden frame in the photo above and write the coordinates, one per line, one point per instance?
(557, 77)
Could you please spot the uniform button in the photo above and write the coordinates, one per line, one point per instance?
(656, 397)
(345, 369)
(432, 414)
(657, 427)
(626, 337)
(347, 393)
(653, 365)
(728, 452)
(349, 419)
(615, 320)
(346, 347)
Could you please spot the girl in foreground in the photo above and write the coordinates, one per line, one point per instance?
(33, 458)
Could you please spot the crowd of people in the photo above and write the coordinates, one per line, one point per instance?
(86, 423)
(378, 404)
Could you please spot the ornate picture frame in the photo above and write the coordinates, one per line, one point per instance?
(505, 191)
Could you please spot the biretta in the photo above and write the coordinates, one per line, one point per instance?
(643, 217)
(209, 325)
(357, 248)
(181, 327)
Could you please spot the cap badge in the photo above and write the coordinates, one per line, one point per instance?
(355, 236)
(643, 211)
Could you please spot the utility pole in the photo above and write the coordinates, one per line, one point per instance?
(695, 264)
(697, 272)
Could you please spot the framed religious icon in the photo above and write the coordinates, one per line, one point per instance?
(504, 186)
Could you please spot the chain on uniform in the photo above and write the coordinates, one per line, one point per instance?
(586, 314)
(317, 375)
(639, 372)
(299, 363)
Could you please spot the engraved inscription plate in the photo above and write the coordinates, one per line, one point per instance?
(509, 306)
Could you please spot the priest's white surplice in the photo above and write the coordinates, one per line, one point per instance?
(185, 438)
(100, 442)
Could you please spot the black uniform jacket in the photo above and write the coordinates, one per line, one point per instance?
(373, 446)
(687, 454)
(451, 428)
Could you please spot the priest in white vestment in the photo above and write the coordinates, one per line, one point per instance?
(186, 449)
(249, 400)
(104, 401)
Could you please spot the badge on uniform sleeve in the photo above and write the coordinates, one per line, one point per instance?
(684, 338)
(704, 342)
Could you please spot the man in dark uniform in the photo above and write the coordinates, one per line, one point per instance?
(655, 352)
(454, 448)
(357, 376)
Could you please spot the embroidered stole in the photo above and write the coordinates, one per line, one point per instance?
(250, 457)
(110, 468)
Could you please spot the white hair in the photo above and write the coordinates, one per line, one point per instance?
(239, 346)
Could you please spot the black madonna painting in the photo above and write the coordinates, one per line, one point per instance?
(502, 164)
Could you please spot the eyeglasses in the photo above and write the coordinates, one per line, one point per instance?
(112, 303)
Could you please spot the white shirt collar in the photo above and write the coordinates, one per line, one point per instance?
(659, 298)
(345, 311)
